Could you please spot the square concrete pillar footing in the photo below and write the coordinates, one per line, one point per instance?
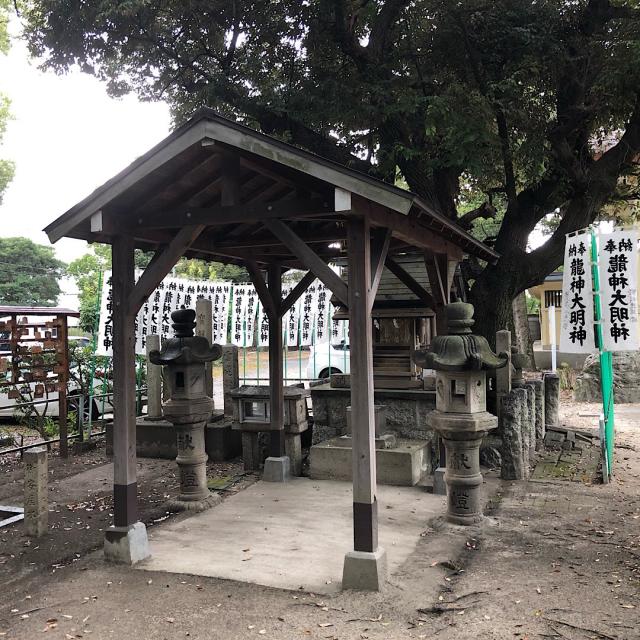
(126, 545)
(439, 485)
(364, 571)
(277, 469)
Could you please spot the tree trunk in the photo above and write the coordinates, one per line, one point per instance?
(521, 325)
(491, 296)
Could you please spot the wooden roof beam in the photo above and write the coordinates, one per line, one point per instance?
(161, 263)
(411, 231)
(301, 250)
(271, 306)
(380, 241)
(229, 214)
(297, 291)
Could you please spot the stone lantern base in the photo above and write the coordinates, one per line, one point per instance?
(189, 420)
(462, 434)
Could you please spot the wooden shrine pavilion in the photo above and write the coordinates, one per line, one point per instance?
(217, 190)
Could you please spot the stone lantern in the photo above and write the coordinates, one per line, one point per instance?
(461, 360)
(184, 357)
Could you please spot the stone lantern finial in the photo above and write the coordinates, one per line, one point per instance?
(184, 322)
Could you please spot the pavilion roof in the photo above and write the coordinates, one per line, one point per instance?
(7, 310)
(233, 180)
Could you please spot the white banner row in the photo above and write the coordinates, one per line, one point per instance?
(618, 279)
(235, 311)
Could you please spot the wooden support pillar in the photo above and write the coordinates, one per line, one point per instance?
(364, 567)
(440, 270)
(124, 385)
(126, 542)
(63, 378)
(276, 383)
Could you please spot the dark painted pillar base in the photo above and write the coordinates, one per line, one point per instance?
(276, 444)
(365, 526)
(125, 504)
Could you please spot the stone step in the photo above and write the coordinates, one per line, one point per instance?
(404, 465)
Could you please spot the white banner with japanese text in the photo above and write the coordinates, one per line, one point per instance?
(618, 268)
(237, 315)
(577, 328)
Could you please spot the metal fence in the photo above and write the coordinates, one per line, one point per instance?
(84, 419)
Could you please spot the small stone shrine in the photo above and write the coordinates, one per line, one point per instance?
(189, 408)
(252, 416)
(461, 360)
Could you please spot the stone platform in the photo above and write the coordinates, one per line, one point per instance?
(406, 411)
(291, 536)
(404, 465)
(157, 439)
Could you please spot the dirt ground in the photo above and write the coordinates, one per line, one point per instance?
(554, 559)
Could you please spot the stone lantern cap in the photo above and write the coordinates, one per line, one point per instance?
(460, 350)
(185, 347)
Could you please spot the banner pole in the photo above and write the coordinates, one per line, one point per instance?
(552, 335)
(606, 366)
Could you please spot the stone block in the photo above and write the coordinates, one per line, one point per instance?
(155, 439)
(154, 380)
(36, 480)
(503, 375)
(277, 469)
(340, 380)
(379, 416)
(230, 376)
(405, 465)
(490, 457)
(387, 441)
(407, 411)
(126, 545)
(540, 425)
(204, 328)
(551, 399)
(531, 401)
(512, 467)
(221, 441)
(251, 451)
(439, 484)
(525, 429)
(293, 450)
(364, 571)
(626, 378)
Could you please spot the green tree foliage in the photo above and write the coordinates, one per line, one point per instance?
(6, 166)
(86, 271)
(507, 99)
(29, 273)
(201, 270)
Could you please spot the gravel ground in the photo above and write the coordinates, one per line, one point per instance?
(554, 559)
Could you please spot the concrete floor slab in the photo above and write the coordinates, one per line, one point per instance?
(290, 536)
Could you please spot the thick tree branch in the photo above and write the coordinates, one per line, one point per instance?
(382, 29)
(485, 210)
(583, 209)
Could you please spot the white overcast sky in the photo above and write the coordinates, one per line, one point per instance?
(67, 138)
